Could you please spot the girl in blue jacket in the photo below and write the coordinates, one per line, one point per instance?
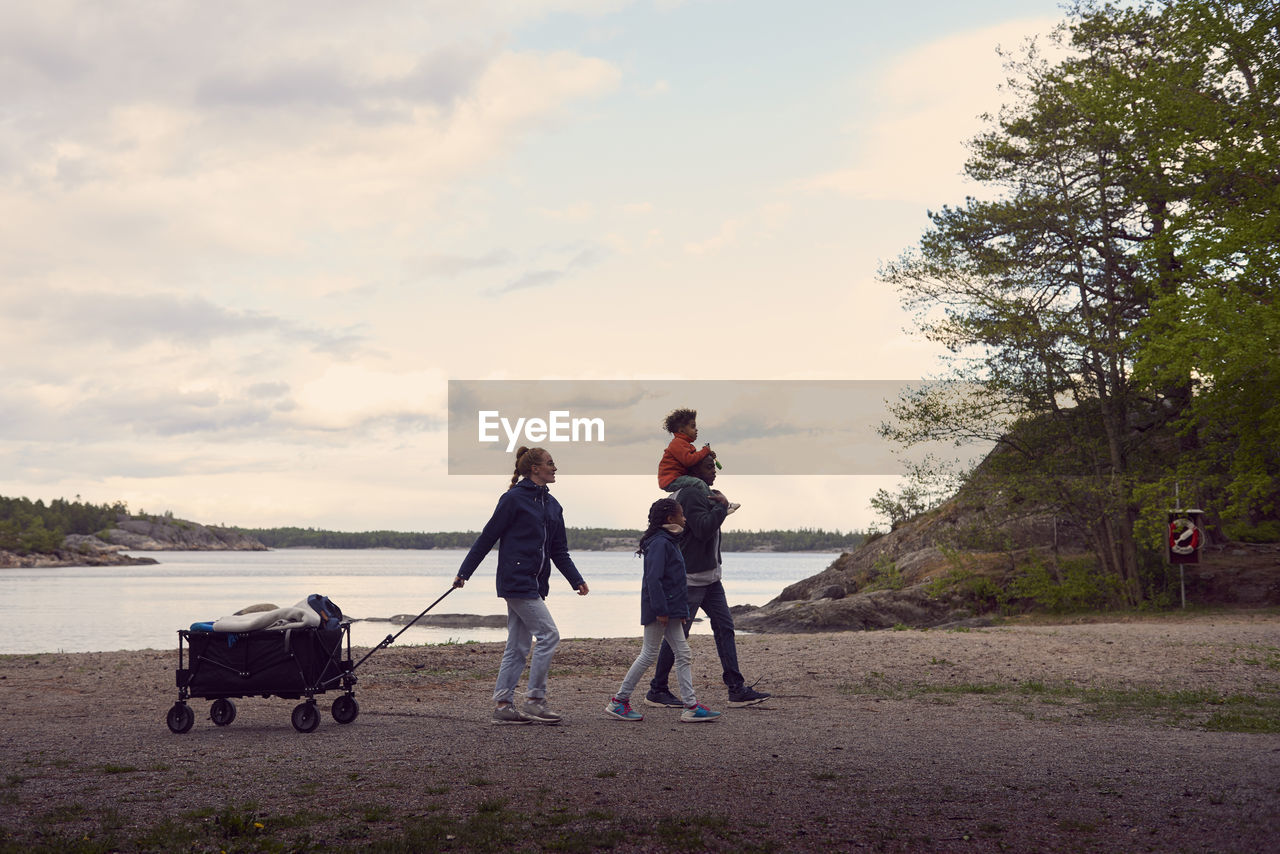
(664, 608)
(528, 525)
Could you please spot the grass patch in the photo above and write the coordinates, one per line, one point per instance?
(1244, 720)
(1194, 708)
(64, 813)
(692, 830)
(375, 813)
(1258, 656)
(489, 824)
(111, 768)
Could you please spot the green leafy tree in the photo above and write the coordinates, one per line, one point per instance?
(1219, 326)
(1052, 293)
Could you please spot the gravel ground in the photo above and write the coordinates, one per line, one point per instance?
(1096, 736)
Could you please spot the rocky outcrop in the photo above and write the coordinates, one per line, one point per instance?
(453, 621)
(851, 593)
(164, 533)
(77, 550)
(879, 609)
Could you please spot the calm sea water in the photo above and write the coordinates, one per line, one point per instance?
(96, 609)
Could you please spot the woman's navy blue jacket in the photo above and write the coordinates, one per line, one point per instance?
(528, 525)
(663, 592)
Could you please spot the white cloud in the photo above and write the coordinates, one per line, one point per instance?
(927, 106)
(653, 90)
(245, 243)
(345, 395)
(578, 212)
(160, 142)
(717, 242)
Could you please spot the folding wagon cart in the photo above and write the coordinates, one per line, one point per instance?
(290, 663)
(287, 663)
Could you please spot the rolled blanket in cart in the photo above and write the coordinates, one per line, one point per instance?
(280, 618)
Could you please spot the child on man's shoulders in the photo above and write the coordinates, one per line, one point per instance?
(681, 455)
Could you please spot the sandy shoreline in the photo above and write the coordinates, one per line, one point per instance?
(1093, 736)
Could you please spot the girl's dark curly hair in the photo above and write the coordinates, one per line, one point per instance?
(658, 513)
(677, 418)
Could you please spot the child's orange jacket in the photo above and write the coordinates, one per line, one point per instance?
(678, 458)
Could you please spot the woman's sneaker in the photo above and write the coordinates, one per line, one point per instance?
(535, 709)
(621, 709)
(509, 714)
(696, 714)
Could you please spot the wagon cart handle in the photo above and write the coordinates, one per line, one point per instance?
(390, 639)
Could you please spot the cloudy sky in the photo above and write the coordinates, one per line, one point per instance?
(247, 244)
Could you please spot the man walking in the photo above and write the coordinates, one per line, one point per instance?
(704, 510)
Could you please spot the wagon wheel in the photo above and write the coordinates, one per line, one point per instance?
(345, 709)
(306, 717)
(180, 718)
(222, 712)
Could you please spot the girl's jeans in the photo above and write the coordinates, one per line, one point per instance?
(712, 600)
(526, 619)
(654, 633)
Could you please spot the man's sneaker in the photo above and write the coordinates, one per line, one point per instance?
(662, 697)
(535, 709)
(746, 696)
(733, 508)
(509, 714)
(697, 714)
(621, 709)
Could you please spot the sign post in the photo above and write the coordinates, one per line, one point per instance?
(1183, 540)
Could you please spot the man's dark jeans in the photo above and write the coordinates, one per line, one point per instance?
(712, 601)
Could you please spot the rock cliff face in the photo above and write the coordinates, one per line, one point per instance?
(986, 537)
(163, 533)
(910, 556)
(77, 550)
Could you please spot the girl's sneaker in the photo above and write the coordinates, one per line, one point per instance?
(621, 709)
(697, 713)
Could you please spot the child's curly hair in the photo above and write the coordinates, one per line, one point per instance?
(677, 418)
(658, 513)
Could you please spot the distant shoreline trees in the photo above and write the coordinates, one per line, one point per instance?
(28, 526)
(34, 527)
(582, 539)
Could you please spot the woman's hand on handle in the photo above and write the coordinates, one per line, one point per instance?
(459, 581)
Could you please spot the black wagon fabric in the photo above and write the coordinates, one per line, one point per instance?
(286, 663)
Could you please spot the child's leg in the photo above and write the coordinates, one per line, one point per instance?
(648, 653)
(684, 660)
(683, 481)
